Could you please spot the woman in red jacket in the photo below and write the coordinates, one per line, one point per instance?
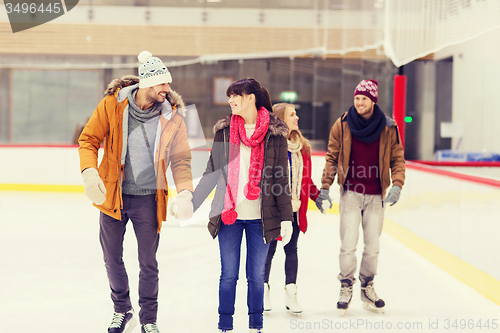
(302, 188)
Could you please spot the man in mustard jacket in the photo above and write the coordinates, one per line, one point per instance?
(365, 153)
(141, 123)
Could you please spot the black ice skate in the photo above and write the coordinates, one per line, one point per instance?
(371, 301)
(345, 296)
(122, 322)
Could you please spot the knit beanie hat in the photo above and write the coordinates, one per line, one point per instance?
(368, 88)
(152, 71)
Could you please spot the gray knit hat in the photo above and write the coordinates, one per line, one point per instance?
(152, 71)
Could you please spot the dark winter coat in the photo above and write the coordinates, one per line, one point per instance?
(391, 155)
(276, 203)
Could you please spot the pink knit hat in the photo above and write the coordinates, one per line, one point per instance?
(368, 88)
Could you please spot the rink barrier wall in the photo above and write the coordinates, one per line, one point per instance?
(427, 189)
(451, 219)
(483, 283)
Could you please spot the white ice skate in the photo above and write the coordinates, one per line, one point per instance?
(291, 299)
(345, 297)
(371, 301)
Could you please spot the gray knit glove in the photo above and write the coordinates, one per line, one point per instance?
(393, 195)
(322, 205)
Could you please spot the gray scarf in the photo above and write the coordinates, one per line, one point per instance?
(137, 113)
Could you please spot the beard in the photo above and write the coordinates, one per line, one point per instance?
(156, 98)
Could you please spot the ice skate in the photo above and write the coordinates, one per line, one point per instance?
(291, 299)
(256, 330)
(345, 296)
(267, 299)
(371, 301)
(122, 322)
(225, 331)
(149, 328)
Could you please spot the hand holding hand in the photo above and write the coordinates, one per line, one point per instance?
(182, 207)
(321, 200)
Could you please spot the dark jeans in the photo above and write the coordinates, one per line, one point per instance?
(230, 237)
(291, 259)
(141, 210)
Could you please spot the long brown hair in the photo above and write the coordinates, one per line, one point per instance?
(280, 110)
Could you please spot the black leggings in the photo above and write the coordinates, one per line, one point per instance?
(291, 259)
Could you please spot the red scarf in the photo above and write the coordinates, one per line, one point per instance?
(256, 142)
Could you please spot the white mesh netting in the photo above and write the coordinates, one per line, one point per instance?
(402, 30)
(415, 28)
(207, 31)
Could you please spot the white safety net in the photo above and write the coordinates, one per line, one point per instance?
(208, 31)
(416, 28)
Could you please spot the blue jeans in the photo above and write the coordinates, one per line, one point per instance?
(230, 237)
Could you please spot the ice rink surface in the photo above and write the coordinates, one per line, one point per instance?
(52, 278)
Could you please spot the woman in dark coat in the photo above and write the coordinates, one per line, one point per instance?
(249, 165)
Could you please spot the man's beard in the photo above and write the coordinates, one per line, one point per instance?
(157, 98)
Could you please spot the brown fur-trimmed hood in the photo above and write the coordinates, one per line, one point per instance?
(276, 125)
(124, 81)
(129, 80)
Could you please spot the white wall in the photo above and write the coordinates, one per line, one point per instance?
(46, 166)
(458, 216)
(425, 102)
(476, 74)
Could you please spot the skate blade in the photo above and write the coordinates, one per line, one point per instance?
(293, 312)
(130, 325)
(342, 312)
(372, 308)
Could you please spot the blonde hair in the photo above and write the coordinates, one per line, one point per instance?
(280, 110)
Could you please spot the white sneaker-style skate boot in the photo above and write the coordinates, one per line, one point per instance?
(225, 331)
(291, 298)
(267, 299)
(122, 322)
(256, 330)
(371, 301)
(345, 296)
